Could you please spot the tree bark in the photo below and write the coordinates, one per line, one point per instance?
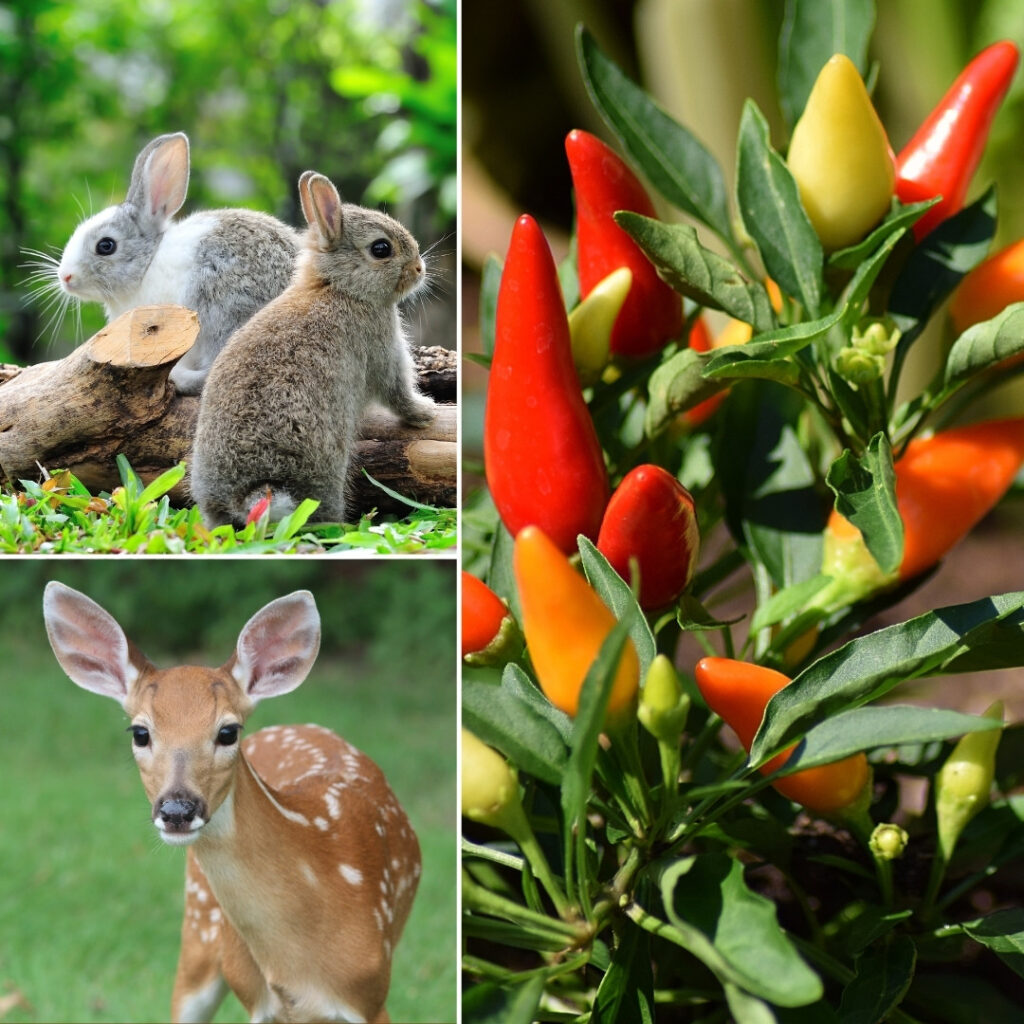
(111, 396)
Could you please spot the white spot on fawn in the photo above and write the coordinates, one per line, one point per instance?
(351, 875)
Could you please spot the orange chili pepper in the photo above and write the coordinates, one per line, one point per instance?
(945, 484)
(989, 288)
(565, 623)
(739, 692)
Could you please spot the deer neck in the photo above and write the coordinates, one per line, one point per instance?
(249, 846)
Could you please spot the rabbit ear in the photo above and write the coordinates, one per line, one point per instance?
(160, 177)
(322, 206)
(304, 200)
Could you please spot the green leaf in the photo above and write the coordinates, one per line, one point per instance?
(490, 280)
(616, 594)
(626, 993)
(936, 266)
(694, 617)
(297, 519)
(708, 894)
(511, 1004)
(697, 272)
(745, 1008)
(884, 974)
(868, 728)
(676, 385)
(770, 346)
(870, 666)
(769, 203)
(769, 484)
(984, 346)
(522, 688)
(856, 292)
(500, 575)
(399, 497)
(865, 491)
(899, 218)
(786, 602)
(163, 483)
(674, 161)
(504, 720)
(812, 31)
(587, 728)
(1003, 933)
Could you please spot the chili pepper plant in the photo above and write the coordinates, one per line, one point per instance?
(725, 834)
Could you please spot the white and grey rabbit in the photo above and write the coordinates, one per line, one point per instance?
(282, 406)
(224, 264)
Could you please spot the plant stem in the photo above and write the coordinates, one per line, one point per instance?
(542, 872)
(478, 897)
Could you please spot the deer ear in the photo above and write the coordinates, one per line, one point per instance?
(277, 646)
(89, 644)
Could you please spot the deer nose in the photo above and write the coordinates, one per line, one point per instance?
(178, 810)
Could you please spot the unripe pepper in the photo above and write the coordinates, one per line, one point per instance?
(651, 518)
(565, 623)
(964, 783)
(840, 157)
(592, 321)
(543, 460)
(945, 484)
(652, 314)
(989, 288)
(944, 153)
(489, 634)
(664, 705)
(490, 786)
(739, 692)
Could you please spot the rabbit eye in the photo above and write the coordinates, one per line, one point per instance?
(106, 247)
(381, 249)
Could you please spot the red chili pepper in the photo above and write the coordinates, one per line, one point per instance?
(945, 484)
(651, 518)
(739, 692)
(944, 153)
(544, 462)
(482, 614)
(700, 341)
(653, 313)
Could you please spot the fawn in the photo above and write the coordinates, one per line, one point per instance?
(302, 866)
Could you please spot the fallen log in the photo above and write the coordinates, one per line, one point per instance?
(111, 396)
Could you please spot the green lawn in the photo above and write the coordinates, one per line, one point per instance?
(90, 899)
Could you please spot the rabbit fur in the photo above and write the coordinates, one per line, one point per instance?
(283, 402)
(224, 264)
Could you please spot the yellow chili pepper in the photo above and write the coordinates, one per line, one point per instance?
(565, 623)
(841, 158)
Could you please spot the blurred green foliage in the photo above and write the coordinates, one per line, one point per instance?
(362, 90)
(398, 613)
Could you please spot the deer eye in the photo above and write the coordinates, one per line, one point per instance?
(381, 249)
(106, 247)
(140, 735)
(227, 735)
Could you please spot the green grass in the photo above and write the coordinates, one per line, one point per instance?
(90, 899)
(61, 516)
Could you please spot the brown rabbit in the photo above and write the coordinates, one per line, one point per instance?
(283, 402)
